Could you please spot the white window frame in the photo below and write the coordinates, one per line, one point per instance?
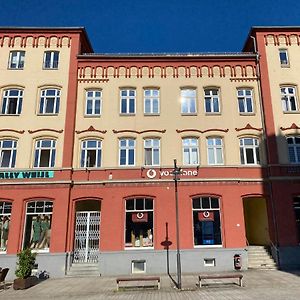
(8, 98)
(211, 95)
(39, 147)
(153, 97)
(16, 60)
(127, 148)
(5, 212)
(45, 98)
(188, 100)
(152, 145)
(289, 99)
(189, 148)
(13, 152)
(127, 99)
(214, 148)
(85, 148)
(293, 147)
(49, 61)
(284, 62)
(254, 147)
(95, 98)
(244, 95)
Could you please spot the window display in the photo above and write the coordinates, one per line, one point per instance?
(139, 223)
(38, 225)
(5, 212)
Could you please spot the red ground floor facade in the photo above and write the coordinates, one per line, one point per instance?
(126, 219)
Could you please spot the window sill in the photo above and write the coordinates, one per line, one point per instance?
(292, 112)
(92, 116)
(15, 69)
(284, 66)
(213, 114)
(10, 115)
(189, 114)
(151, 115)
(48, 114)
(247, 114)
(49, 68)
(127, 114)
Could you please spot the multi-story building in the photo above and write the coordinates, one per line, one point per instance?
(88, 142)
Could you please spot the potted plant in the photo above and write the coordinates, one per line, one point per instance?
(26, 261)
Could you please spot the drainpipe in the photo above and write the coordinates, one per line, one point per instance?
(273, 205)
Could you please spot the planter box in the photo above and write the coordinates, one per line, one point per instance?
(24, 283)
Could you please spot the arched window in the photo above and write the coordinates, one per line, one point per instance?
(249, 151)
(139, 222)
(90, 153)
(206, 220)
(5, 212)
(44, 154)
(8, 153)
(38, 225)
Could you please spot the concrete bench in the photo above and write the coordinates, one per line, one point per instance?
(155, 280)
(221, 276)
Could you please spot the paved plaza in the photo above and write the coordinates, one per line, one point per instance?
(258, 284)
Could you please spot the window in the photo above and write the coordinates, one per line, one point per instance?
(151, 101)
(128, 101)
(296, 204)
(12, 102)
(8, 152)
(139, 223)
(283, 56)
(249, 151)
(49, 102)
(38, 225)
(188, 101)
(5, 212)
(51, 59)
(288, 99)
(138, 266)
(93, 103)
(215, 151)
(294, 149)
(16, 59)
(190, 151)
(90, 154)
(212, 102)
(44, 155)
(206, 219)
(127, 152)
(245, 100)
(151, 147)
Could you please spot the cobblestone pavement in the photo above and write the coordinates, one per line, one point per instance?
(258, 285)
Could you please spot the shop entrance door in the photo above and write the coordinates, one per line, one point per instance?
(87, 237)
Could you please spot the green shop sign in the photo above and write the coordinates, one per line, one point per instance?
(26, 174)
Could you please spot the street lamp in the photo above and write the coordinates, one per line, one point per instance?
(176, 172)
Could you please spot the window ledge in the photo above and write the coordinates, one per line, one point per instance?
(151, 115)
(127, 114)
(213, 114)
(247, 114)
(291, 112)
(49, 68)
(189, 114)
(17, 69)
(48, 114)
(10, 115)
(92, 116)
(284, 66)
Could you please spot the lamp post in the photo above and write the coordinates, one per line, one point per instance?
(176, 172)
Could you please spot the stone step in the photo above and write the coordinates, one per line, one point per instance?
(84, 270)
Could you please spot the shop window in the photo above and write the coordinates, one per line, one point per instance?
(5, 212)
(296, 202)
(38, 225)
(207, 223)
(139, 223)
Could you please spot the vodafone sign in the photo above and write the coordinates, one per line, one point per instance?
(152, 173)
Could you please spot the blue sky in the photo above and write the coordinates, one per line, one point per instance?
(155, 25)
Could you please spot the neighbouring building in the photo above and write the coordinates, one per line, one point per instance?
(88, 142)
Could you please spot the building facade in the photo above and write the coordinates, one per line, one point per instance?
(88, 143)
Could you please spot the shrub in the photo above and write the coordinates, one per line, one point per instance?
(26, 260)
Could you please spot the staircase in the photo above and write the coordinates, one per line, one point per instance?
(259, 258)
(84, 270)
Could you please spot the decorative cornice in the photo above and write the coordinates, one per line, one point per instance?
(45, 129)
(244, 79)
(93, 80)
(202, 131)
(293, 126)
(280, 38)
(91, 129)
(12, 130)
(248, 126)
(139, 132)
